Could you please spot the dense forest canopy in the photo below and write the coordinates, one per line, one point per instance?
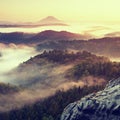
(64, 56)
(50, 108)
(109, 70)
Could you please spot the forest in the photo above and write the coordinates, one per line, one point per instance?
(107, 70)
(50, 108)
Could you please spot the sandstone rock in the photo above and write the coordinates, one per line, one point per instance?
(103, 105)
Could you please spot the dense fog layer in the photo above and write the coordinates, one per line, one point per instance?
(11, 56)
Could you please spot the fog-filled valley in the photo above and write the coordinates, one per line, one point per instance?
(38, 68)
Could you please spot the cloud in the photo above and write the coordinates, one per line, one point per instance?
(97, 28)
(12, 56)
(41, 91)
(95, 31)
(113, 34)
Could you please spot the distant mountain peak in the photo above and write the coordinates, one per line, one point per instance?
(50, 19)
(47, 21)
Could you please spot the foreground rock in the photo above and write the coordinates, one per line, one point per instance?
(104, 105)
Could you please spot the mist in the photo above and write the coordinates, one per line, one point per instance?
(12, 56)
(37, 80)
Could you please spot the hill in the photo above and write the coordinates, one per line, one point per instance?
(56, 36)
(48, 35)
(109, 47)
(65, 66)
(38, 69)
(15, 37)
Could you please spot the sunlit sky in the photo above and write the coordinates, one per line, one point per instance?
(67, 10)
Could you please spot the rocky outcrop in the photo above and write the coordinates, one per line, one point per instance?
(103, 105)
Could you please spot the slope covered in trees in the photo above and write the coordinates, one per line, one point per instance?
(83, 64)
(103, 46)
(35, 38)
(108, 70)
(66, 57)
(50, 108)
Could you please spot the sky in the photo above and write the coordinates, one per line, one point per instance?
(67, 10)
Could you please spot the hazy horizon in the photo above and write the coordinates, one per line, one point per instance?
(97, 30)
(88, 17)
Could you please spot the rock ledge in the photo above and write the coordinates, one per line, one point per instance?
(103, 105)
